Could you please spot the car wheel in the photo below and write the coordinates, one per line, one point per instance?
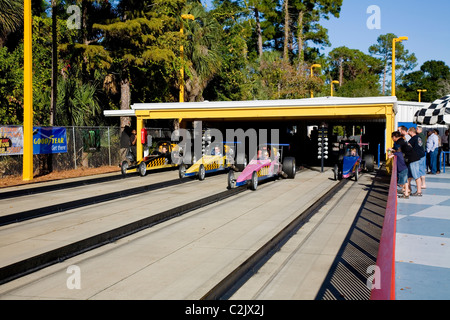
(182, 170)
(369, 161)
(241, 161)
(289, 167)
(201, 172)
(254, 181)
(357, 174)
(142, 169)
(124, 167)
(231, 180)
(336, 172)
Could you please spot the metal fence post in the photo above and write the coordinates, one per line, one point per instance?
(74, 148)
(109, 148)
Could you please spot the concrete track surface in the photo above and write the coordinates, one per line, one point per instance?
(184, 257)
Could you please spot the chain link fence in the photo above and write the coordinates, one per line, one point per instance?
(86, 147)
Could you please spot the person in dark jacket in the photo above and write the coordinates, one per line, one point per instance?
(419, 147)
(411, 159)
(124, 143)
(402, 173)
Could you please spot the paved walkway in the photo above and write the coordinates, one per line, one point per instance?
(422, 267)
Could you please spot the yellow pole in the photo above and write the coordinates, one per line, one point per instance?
(420, 94)
(182, 68)
(139, 145)
(27, 173)
(333, 82)
(393, 68)
(390, 123)
(191, 17)
(394, 41)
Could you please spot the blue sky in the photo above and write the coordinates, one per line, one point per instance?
(425, 23)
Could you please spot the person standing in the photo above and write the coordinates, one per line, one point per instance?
(402, 172)
(124, 143)
(423, 136)
(445, 145)
(436, 132)
(412, 160)
(133, 139)
(404, 131)
(432, 150)
(418, 146)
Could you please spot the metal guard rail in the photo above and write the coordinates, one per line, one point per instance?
(384, 286)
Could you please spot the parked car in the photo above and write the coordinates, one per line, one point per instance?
(267, 163)
(217, 160)
(160, 157)
(352, 160)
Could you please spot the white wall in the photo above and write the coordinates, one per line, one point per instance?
(407, 109)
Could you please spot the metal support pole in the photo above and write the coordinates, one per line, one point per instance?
(27, 173)
(74, 148)
(109, 148)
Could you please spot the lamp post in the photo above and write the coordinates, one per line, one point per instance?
(191, 17)
(27, 173)
(394, 41)
(420, 93)
(333, 82)
(312, 74)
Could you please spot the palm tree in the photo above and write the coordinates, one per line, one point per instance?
(202, 51)
(78, 103)
(11, 17)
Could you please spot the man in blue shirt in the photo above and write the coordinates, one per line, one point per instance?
(419, 147)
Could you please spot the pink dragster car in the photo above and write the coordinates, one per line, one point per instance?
(266, 164)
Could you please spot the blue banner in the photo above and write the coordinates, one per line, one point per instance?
(48, 140)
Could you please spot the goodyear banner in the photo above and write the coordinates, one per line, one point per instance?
(46, 140)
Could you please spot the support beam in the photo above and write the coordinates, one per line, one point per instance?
(139, 146)
(27, 173)
(390, 123)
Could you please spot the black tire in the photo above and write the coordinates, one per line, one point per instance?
(336, 172)
(369, 161)
(142, 169)
(241, 161)
(254, 181)
(231, 180)
(357, 174)
(182, 170)
(340, 175)
(124, 167)
(201, 173)
(289, 167)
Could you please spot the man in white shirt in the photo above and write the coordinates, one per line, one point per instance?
(432, 150)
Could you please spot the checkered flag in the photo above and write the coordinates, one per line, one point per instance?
(434, 114)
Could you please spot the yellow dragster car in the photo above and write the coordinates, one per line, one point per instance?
(209, 163)
(160, 157)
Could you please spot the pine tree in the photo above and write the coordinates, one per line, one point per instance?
(383, 50)
(144, 33)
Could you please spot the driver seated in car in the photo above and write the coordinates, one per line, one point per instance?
(216, 151)
(263, 154)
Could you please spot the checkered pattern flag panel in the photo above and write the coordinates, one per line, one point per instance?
(434, 114)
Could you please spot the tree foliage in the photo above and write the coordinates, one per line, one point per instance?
(128, 51)
(433, 76)
(383, 50)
